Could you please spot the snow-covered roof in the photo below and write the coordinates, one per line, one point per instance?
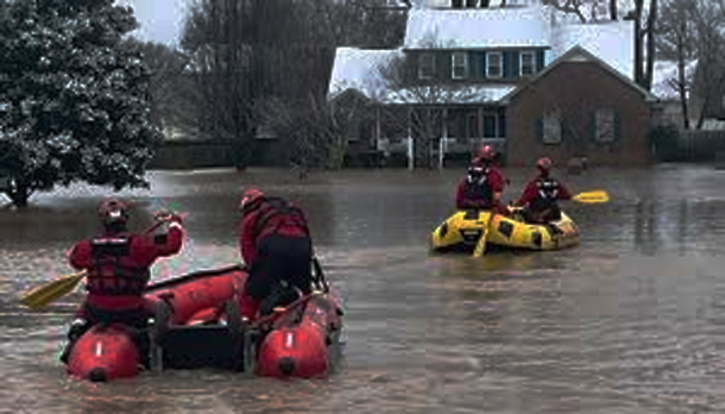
(610, 41)
(468, 94)
(432, 4)
(358, 69)
(664, 76)
(476, 28)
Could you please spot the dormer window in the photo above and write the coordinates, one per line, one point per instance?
(426, 66)
(494, 66)
(459, 65)
(527, 63)
(469, 4)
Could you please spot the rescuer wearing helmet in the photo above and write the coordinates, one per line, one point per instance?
(482, 186)
(275, 244)
(118, 269)
(541, 194)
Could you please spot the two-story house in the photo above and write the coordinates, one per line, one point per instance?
(469, 74)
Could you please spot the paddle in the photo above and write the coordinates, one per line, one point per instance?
(43, 295)
(597, 196)
(481, 245)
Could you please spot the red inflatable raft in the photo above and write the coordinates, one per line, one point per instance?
(295, 341)
(198, 325)
(108, 352)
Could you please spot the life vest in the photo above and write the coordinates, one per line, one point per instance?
(546, 195)
(285, 213)
(477, 187)
(113, 272)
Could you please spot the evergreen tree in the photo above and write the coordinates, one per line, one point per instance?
(74, 102)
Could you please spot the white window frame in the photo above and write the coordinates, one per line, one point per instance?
(521, 63)
(604, 125)
(488, 65)
(422, 67)
(551, 127)
(461, 62)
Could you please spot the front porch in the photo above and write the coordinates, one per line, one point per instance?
(429, 134)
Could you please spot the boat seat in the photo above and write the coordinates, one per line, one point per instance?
(201, 346)
(471, 215)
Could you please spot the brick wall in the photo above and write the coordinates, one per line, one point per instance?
(578, 89)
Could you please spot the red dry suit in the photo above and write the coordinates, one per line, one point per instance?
(118, 266)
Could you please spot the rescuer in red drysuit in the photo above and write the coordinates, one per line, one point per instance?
(483, 185)
(541, 194)
(275, 244)
(117, 264)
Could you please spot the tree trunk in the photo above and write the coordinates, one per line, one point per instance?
(651, 21)
(19, 193)
(701, 116)
(638, 55)
(681, 85)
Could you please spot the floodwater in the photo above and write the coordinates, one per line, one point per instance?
(627, 322)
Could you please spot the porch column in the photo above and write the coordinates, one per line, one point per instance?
(481, 133)
(377, 128)
(443, 147)
(411, 160)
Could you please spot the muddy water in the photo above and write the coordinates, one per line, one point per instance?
(630, 321)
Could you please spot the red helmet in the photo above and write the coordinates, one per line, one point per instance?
(248, 197)
(486, 153)
(113, 213)
(544, 164)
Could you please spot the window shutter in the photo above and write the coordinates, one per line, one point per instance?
(593, 126)
(513, 64)
(505, 64)
(539, 64)
(617, 127)
(539, 129)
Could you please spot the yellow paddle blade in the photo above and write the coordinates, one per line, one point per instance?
(481, 245)
(598, 196)
(43, 295)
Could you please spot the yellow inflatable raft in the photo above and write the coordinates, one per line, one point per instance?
(463, 230)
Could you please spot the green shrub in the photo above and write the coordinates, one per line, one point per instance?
(664, 140)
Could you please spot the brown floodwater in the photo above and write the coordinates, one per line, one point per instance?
(627, 322)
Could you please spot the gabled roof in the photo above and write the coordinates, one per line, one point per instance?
(445, 95)
(476, 28)
(578, 53)
(357, 68)
(612, 42)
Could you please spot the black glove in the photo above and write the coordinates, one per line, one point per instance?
(168, 215)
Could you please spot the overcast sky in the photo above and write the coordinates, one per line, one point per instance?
(161, 20)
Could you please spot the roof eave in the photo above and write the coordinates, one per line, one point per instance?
(475, 49)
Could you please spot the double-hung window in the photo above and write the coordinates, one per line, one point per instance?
(552, 127)
(527, 63)
(459, 65)
(604, 125)
(494, 65)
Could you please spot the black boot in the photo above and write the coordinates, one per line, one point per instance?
(76, 330)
